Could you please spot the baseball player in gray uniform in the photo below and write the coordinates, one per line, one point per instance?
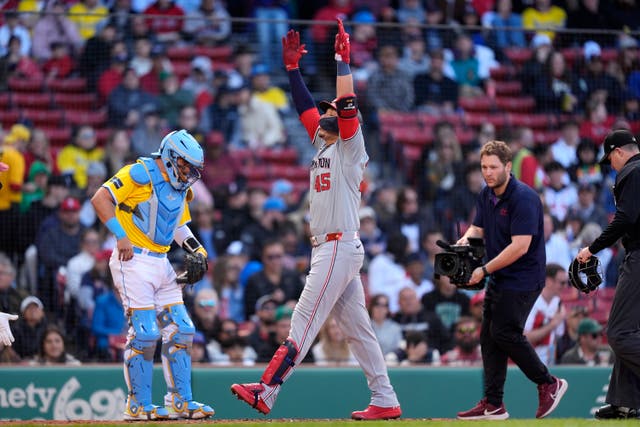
(333, 286)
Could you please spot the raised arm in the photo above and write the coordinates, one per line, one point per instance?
(292, 51)
(346, 101)
(344, 79)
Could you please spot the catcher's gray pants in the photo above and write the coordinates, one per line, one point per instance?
(623, 333)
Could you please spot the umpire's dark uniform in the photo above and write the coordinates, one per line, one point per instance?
(623, 330)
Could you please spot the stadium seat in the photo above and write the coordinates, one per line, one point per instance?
(215, 53)
(96, 118)
(414, 135)
(518, 55)
(508, 87)
(68, 85)
(517, 105)
(290, 172)
(605, 293)
(609, 54)
(535, 121)
(9, 117)
(46, 118)
(175, 53)
(478, 119)
(75, 101)
(503, 72)
(475, 104)
(287, 156)
(5, 100)
(546, 137)
(256, 172)
(58, 136)
(20, 84)
(31, 100)
(242, 155)
(102, 136)
(181, 68)
(396, 118)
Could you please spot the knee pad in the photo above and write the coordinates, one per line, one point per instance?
(281, 363)
(145, 332)
(176, 322)
(178, 331)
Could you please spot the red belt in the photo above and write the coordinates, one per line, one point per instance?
(323, 238)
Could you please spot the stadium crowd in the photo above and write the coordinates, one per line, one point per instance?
(90, 86)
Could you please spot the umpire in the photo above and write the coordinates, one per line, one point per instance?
(623, 331)
(509, 218)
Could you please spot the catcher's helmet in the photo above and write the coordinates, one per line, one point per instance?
(181, 144)
(589, 271)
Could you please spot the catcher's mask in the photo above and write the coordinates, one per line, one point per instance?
(586, 276)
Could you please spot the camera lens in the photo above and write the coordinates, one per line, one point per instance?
(448, 264)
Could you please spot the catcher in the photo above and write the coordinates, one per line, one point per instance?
(623, 333)
(145, 206)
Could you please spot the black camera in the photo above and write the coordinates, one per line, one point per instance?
(459, 261)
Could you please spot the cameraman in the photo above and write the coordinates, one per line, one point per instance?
(509, 218)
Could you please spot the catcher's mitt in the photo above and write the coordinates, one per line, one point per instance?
(585, 277)
(195, 267)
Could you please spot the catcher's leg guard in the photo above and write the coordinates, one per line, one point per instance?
(138, 363)
(177, 337)
(281, 363)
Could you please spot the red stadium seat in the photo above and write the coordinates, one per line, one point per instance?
(20, 84)
(5, 100)
(181, 68)
(93, 118)
(288, 156)
(478, 119)
(31, 100)
(216, 53)
(397, 118)
(535, 121)
(242, 155)
(503, 72)
(609, 54)
(256, 172)
(47, 118)
(605, 293)
(517, 105)
(290, 172)
(58, 136)
(75, 101)
(546, 137)
(181, 53)
(509, 87)
(518, 55)
(475, 104)
(68, 85)
(413, 135)
(9, 117)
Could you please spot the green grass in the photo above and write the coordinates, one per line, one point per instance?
(560, 422)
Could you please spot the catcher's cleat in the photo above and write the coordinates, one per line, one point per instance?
(192, 410)
(250, 393)
(484, 411)
(549, 396)
(133, 412)
(374, 412)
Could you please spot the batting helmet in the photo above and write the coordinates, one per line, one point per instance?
(589, 271)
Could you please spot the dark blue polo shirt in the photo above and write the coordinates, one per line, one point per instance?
(517, 212)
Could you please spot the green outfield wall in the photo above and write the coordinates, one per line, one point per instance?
(97, 392)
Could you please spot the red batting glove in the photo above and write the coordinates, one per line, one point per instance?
(342, 45)
(292, 50)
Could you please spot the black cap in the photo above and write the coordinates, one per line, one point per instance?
(617, 138)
